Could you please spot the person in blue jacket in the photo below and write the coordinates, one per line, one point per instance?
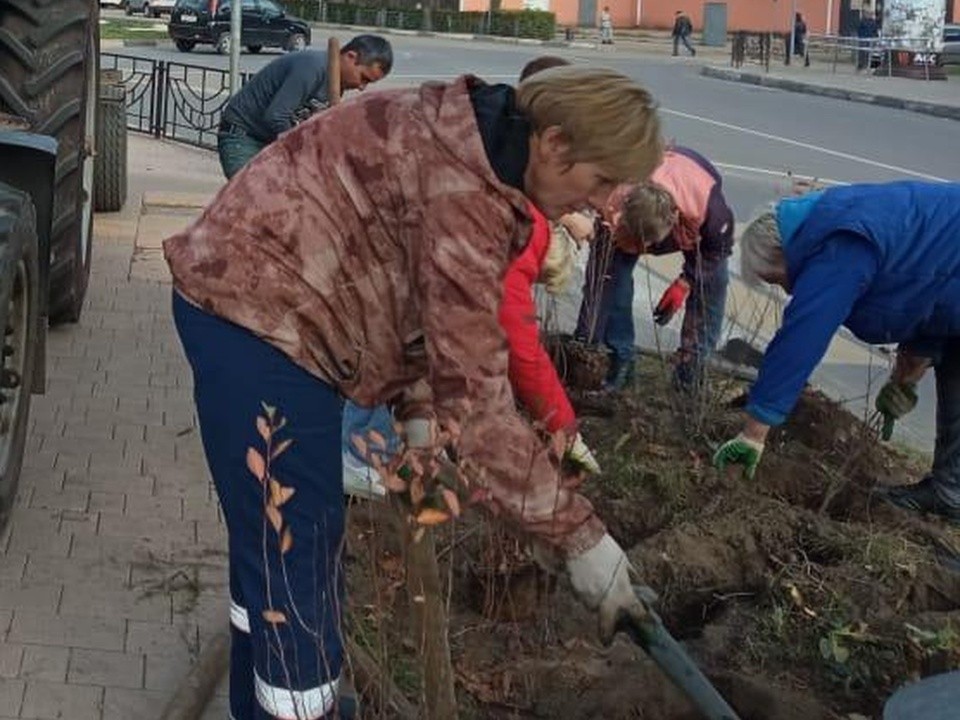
(884, 261)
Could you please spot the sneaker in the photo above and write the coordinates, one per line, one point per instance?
(620, 375)
(360, 480)
(922, 497)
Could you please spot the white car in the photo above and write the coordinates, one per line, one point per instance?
(113, 3)
(150, 8)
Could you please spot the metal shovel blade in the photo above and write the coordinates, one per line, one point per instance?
(669, 655)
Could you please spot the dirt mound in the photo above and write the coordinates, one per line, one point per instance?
(800, 595)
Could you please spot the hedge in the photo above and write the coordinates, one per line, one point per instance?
(505, 23)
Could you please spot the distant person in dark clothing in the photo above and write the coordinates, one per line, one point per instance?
(288, 91)
(866, 31)
(682, 28)
(800, 39)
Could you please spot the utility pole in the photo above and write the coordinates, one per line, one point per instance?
(236, 24)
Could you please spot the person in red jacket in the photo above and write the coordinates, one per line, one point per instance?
(536, 384)
(533, 376)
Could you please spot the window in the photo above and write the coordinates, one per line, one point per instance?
(270, 7)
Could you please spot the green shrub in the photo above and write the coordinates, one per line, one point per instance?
(505, 23)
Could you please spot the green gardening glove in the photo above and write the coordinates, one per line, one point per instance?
(894, 401)
(741, 450)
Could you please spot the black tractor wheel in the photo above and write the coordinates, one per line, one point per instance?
(20, 322)
(48, 65)
(110, 167)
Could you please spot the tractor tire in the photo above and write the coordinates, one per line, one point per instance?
(110, 166)
(20, 316)
(49, 53)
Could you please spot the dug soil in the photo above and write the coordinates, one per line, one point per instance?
(799, 593)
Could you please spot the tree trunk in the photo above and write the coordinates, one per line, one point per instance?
(430, 625)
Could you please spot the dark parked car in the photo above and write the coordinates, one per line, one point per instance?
(207, 22)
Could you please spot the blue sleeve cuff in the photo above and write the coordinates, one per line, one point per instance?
(764, 415)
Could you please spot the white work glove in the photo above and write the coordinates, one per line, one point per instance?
(579, 454)
(601, 579)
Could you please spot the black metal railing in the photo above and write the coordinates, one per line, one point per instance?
(172, 100)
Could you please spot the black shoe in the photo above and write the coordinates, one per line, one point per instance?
(921, 497)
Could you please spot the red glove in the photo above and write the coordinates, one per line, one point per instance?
(672, 300)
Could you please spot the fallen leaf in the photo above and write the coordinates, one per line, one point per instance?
(621, 441)
(256, 464)
(286, 542)
(274, 617)
(432, 516)
(275, 518)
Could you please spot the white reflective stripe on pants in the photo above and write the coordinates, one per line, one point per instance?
(288, 704)
(239, 618)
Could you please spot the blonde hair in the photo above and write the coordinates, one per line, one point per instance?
(761, 248)
(606, 117)
(557, 268)
(648, 216)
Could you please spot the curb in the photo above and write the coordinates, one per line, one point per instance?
(455, 36)
(950, 112)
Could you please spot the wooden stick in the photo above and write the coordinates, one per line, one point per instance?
(333, 71)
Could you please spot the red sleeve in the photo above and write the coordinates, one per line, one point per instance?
(533, 376)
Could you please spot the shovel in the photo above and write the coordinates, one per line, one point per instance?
(651, 635)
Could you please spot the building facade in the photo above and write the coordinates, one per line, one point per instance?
(821, 16)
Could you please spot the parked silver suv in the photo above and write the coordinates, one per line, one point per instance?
(150, 8)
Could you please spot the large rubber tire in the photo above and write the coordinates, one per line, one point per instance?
(110, 168)
(19, 311)
(49, 54)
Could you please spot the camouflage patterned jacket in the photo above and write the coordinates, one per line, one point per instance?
(375, 262)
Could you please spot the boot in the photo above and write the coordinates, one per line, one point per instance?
(921, 497)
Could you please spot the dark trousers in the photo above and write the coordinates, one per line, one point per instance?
(685, 39)
(945, 356)
(271, 434)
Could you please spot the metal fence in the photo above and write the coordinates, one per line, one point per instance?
(172, 100)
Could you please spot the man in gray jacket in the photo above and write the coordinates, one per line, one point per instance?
(288, 91)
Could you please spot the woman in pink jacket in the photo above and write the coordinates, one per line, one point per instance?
(362, 255)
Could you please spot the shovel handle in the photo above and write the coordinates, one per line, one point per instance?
(651, 635)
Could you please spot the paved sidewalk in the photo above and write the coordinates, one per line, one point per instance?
(934, 97)
(112, 570)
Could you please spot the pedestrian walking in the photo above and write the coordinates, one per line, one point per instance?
(800, 39)
(682, 28)
(606, 27)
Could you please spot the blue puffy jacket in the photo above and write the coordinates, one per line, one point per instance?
(883, 260)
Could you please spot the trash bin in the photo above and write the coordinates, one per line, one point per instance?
(715, 24)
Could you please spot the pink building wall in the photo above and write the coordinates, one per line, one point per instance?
(774, 15)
